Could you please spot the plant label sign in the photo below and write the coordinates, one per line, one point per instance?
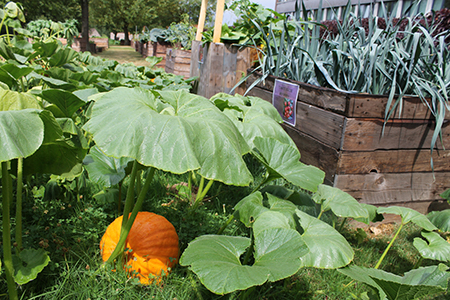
(284, 99)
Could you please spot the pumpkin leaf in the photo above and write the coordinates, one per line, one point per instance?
(287, 208)
(440, 219)
(250, 208)
(437, 248)
(270, 219)
(103, 169)
(28, 264)
(253, 117)
(340, 203)
(21, 133)
(328, 248)
(66, 101)
(184, 132)
(278, 250)
(10, 100)
(409, 215)
(219, 267)
(415, 284)
(283, 161)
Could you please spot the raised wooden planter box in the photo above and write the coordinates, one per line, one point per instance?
(342, 135)
(219, 67)
(178, 62)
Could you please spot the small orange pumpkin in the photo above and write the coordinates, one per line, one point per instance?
(152, 246)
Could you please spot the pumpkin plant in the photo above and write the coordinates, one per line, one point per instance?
(417, 283)
(151, 246)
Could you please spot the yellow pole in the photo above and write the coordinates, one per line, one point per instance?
(219, 18)
(201, 20)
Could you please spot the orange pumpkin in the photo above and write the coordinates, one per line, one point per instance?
(152, 246)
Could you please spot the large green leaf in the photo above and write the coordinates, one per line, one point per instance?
(278, 250)
(437, 248)
(415, 284)
(328, 248)
(57, 158)
(440, 219)
(28, 264)
(186, 132)
(21, 133)
(270, 219)
(250, 208)
(103, 169)
(277, 253)
(219, 267)
(253, 117)
(66, 101)
(283, 161)
(10, 100)
(409, 215)
(339, 202)
(287, 208)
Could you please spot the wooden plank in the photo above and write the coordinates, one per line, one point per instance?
(374, 106)
(321, 124)
(392, 161)
(379, 189)
(366, 134)
(216, 80)
(261, 93)
(229, 67)
(315, 153)
(195, 58)
(243, 63)
(318, 96)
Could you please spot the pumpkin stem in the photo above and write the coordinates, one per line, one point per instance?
(137, 207)
(129, 201)
(19, 203)
(7, 255)
(201, 193)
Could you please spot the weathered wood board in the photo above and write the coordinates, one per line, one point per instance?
(178, 62)
(219, 67)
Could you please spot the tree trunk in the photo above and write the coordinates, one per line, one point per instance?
(84, 24)
(125, 31)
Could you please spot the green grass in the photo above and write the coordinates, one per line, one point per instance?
(70, 230)
(123, 54)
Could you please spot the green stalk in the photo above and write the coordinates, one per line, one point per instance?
(137, 207)
(201, 193)
(119, 200)
(19, 203)
(320, 214)
(7, 255)
(389, 246)
(129, 201)
(342, 224)
(138, 182)
(228, 222)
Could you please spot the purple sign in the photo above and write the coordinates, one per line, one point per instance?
(284, 99)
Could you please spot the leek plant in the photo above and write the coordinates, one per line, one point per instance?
(408, 57)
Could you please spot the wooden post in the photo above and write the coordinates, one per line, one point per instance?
(201, 20)
(219, 18)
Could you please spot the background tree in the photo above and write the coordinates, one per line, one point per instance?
(55, 10)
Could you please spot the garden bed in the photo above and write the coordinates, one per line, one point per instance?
(343, 135)
(178, 62)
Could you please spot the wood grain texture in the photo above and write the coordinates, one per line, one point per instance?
(321, 124)
(394, 187)
(367, 134)
(392, 161)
